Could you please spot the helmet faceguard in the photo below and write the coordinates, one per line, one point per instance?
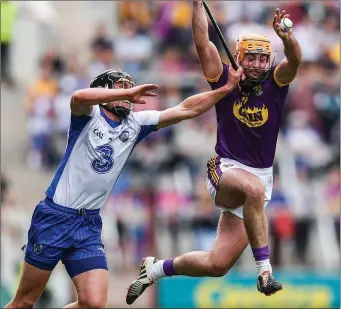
(115, 79)
(259, 45)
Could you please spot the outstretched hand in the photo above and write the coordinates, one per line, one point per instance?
(142, 91)
(234, 78)
(277, 21)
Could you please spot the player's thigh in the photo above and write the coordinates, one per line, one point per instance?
(32, 284)
(230, 242)
(92, 288)
(234, 185)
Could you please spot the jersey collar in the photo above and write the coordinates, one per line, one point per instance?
(111, 122)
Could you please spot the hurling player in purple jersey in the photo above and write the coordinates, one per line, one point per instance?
(239, 176)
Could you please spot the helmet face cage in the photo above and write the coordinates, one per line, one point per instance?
(109, 79)
(124, 81)
(269, 64)
(259, 45)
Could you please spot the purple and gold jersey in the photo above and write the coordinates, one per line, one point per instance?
(249, 120)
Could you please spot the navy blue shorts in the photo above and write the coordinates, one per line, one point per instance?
(70, 235)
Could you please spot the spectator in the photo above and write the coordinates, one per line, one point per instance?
(133, 49)
(69, 82)
(174, 24)
(205, 218)
(243, 26)
(327, 102)
(304, 31)
(332, 196)
(303, 212)
(281, 222)
(306, 142)
(102, 58)
(139, 11)
(171, 61)
(39, 106)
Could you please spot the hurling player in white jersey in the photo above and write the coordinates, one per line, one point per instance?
(66, 225)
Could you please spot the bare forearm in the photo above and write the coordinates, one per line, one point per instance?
(94, 96)
(201, 103)
(292, 49)
(199, 25)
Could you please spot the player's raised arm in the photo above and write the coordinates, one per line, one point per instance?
(207, 51)
(200, 103)
(287, 69)
(83, 100)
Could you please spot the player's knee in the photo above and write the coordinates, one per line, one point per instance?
(93, 301)
(220, 269)
(255, 195)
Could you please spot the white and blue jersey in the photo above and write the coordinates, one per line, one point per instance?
(96, 152)
(66, 225)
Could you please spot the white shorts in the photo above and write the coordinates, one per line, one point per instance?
(216, 166)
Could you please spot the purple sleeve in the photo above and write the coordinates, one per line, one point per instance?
(282, 92)
(282, 89)
(222, 79)
(272, 76)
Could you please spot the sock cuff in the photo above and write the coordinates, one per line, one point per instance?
(261, 254)
(168, 267)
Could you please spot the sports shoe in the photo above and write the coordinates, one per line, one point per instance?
(142, 282)
(267, 284)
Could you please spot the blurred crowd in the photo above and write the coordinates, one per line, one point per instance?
(161, 195)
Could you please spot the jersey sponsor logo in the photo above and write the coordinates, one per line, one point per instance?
(105, 162)
(124, 136)
(98, 133)
(252, 116)
(38, 248)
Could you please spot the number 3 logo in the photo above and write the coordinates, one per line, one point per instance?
(105, 163)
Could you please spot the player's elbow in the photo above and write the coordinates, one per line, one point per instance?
(201, 44)
(77, 96)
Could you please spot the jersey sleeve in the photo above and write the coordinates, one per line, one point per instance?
(278, 83)
(281, 89)
(81, 121)
(147, 121)
(221, 79)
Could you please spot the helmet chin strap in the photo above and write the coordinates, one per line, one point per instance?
(250, 82)
(119, 111)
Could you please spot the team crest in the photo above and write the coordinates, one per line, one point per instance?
(124, 136)
(258, 89)
(37, 248)
(252, 116)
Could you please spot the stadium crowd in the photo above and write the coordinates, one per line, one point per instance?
(161, 195)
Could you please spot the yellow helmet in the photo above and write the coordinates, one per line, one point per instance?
(255, 43)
